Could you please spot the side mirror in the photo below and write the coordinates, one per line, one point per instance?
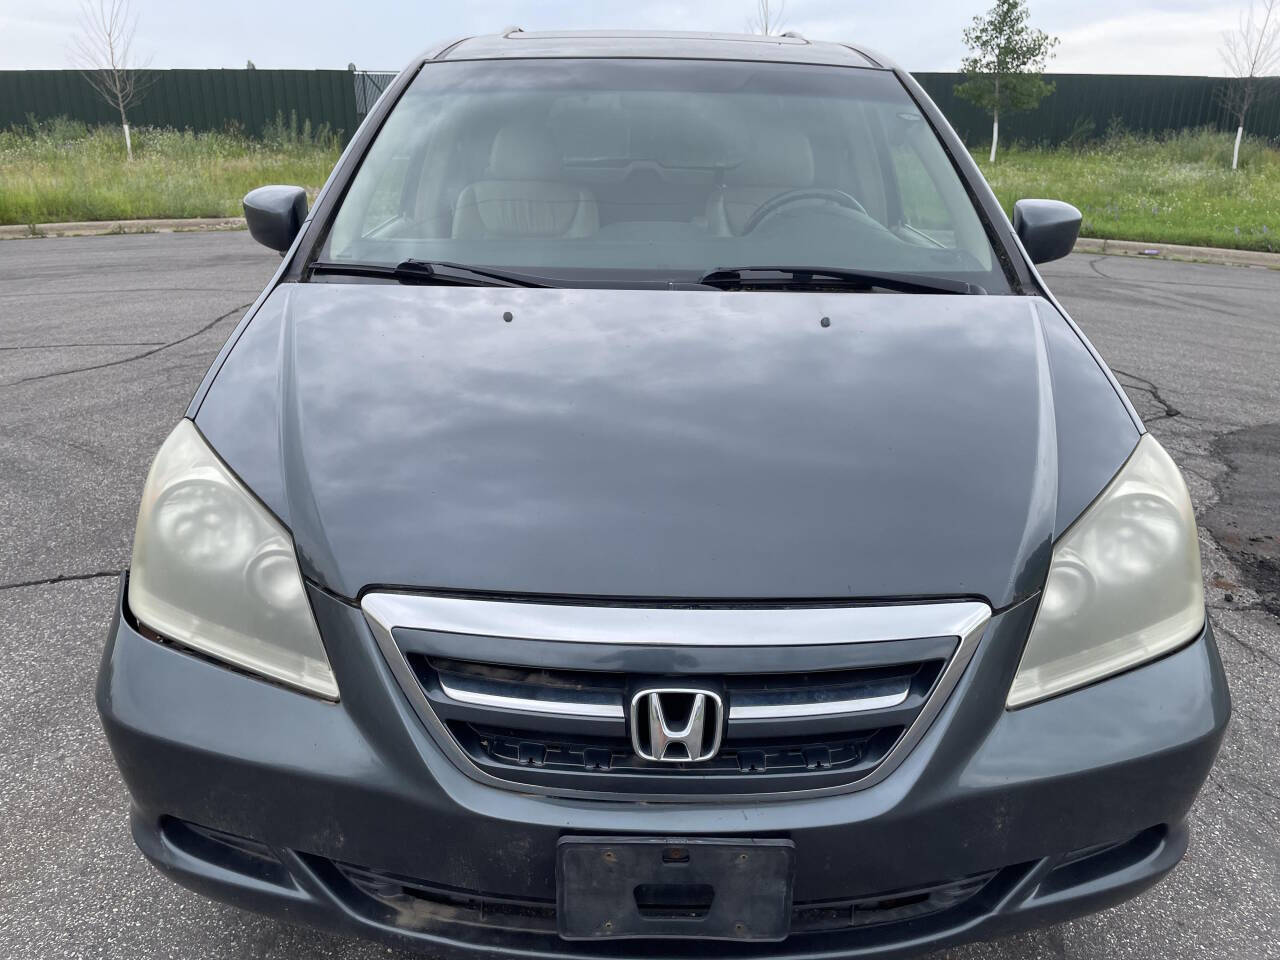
(275, 215)
(1047, 228)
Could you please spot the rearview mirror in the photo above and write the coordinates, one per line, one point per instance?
(275, 215)
(1047, 228)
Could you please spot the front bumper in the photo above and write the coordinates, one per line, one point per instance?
(318, 812)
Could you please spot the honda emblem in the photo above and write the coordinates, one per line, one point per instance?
(676, 724)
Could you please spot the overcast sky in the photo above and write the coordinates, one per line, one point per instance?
(1098, 36)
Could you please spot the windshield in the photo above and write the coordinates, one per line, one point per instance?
(625, 170)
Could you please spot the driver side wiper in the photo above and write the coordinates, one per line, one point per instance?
(432, 272)
(800, 278)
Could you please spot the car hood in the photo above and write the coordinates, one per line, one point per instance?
(664, 444)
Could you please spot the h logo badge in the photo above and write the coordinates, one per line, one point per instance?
(676, 725)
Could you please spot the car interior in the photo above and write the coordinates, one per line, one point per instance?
(656, 179)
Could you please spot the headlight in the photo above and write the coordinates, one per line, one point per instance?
(1124, 584)
(214, 571)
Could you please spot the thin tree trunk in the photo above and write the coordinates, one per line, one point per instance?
(995, 121)
(124, 125)
(1235, 155)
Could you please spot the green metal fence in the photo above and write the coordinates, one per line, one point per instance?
(1083, 105)
(195, 99)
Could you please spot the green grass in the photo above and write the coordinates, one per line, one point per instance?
(61, 170)
(1179, 189)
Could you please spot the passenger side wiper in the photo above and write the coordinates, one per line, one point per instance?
(431, 272)
(802, 278)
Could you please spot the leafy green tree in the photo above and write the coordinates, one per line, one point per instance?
(1004, 72)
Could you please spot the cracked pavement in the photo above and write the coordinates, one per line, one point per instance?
(102, 342)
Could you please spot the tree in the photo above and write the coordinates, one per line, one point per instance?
(1250, 52)
(1005, 67)
(768, 18)
(103, 51)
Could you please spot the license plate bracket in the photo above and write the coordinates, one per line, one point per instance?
(610, 888)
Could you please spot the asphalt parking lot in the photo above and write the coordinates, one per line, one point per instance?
(102, 342)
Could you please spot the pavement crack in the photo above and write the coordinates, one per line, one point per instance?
(1209, 479)
(137, 356)
(114, 290)
(1253, 648)
(1150, 388)
(60, 578)
(69, 443)
(60, 346)
(1217, 777)
(1236, 607)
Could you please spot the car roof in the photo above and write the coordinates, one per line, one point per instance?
(788, 48)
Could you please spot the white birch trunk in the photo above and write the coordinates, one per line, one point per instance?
(128, 143)
(1235, 155)
(995, 135)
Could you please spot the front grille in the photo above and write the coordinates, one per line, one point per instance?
(517, 721)
(542, 695)
(415, 899)
(886, 907)
(416, 902)
(605, 755)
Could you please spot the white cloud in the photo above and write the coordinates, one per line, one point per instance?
(1147, 41)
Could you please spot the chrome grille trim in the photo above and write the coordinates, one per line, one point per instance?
(965, 620)
(689, 626)
(470, 690)
(830, 708)
(757, 705)
(613, 711)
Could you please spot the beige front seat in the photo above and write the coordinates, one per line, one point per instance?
(523, 195)
(774, 163)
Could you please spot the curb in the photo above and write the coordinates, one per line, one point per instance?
(1123, 248)
(93, 228)
(1173, 251)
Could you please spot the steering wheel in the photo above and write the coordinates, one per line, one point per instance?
(772, 206)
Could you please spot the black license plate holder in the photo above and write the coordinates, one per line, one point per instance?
(611, 888)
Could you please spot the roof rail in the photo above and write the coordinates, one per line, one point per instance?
(508, 31)
(795, 35)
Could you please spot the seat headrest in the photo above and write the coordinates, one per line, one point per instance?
(775, 158)
(525, 151)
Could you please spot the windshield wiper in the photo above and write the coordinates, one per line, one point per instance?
(800, 278)
(432, 272)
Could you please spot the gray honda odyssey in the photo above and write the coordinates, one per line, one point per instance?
(657, 509)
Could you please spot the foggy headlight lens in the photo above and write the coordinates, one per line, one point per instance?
(1124, 585)
(213, 570)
